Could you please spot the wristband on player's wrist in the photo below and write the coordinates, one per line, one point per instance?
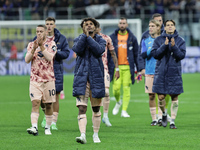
(116, 69)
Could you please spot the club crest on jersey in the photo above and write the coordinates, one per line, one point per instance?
(54, 48)
(46, 45)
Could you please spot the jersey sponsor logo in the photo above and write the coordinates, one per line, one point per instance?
(122, 45)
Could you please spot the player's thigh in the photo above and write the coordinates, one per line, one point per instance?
(106, 79)
(119, 80)
(107, 83)
(49, 92)
(117, 83)
(161, 96)
(83, 99)
(35, 90)
(148, 84)
(126, 81)
(36, 104)
(96, 101)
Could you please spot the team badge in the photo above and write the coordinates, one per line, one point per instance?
(32, 95)
(54, 48)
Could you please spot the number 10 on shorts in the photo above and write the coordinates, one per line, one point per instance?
(52, 92)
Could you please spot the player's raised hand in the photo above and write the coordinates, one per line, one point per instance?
(166, 41)
(172, 42)
(85, 30)
(35, 44)
(40, 40)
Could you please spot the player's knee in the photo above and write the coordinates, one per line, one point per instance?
(106, 99)
(48, 105)
(151, 96)
(42, 105)
(161, 103)
(97, 114)
(174, 97)
(96, 109)
(126, 85)
(116, 88)
(107, 92)
(82, 109)
(35, 103)
(161, 97)
(81, 116)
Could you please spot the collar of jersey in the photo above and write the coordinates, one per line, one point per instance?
(122, 33)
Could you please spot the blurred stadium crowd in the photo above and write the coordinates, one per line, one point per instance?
(184, 12)
(75, 9)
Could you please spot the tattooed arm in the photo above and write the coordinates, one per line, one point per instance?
(114, 57)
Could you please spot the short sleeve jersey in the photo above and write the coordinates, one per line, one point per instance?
(109, 45)
(41, 69)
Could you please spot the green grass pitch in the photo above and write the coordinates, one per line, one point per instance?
(134, 133)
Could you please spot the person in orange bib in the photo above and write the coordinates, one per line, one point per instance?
(126, 48)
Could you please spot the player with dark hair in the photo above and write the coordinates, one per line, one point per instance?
(158, 17)
(169, 49)
(89, 77)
